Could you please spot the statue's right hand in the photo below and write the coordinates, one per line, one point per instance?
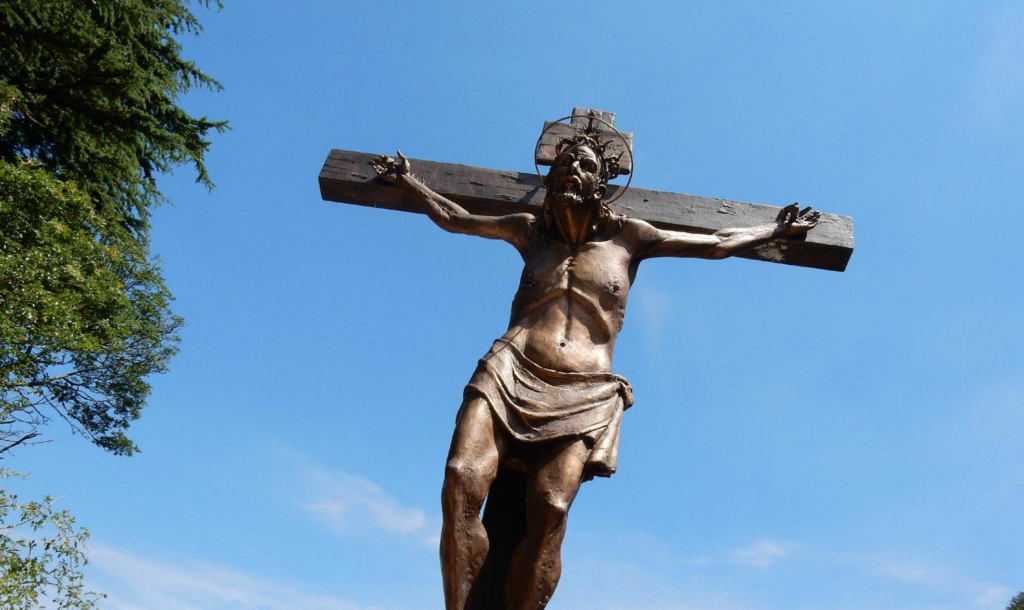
(389, 169)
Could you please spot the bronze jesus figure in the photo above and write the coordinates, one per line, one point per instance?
(542, 411)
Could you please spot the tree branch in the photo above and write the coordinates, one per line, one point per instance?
(27, 437)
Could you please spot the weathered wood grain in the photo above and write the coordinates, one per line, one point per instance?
(580, 116)
(554, 132)
(348, 178)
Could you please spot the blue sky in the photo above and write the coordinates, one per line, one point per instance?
(801, 440)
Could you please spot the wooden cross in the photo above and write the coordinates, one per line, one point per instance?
(348, 178)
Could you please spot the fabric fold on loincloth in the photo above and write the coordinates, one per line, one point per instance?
(538, 404)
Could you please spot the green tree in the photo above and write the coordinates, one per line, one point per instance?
(1017, 603)
(88, 119)
(43, 559)
(83, 318)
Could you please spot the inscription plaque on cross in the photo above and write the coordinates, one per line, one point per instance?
(541, 414)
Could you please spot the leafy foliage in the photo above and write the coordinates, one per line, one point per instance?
(92, 88)
(41, 554)
(1017, 603)
(84, 314)
(88, 119)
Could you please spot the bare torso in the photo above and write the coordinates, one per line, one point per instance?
(570, 305)
(566, 316)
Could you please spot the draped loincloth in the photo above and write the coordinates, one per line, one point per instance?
(539, 404)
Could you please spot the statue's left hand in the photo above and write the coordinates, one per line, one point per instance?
(794, 221)
(389, 169)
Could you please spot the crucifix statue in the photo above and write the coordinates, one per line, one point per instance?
(541, 413)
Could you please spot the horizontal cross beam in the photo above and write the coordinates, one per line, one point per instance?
(348, 178)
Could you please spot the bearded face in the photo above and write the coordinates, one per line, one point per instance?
(575, 177)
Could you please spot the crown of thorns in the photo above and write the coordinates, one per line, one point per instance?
(597, 140)
(610, 166)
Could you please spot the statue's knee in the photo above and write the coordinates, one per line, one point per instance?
(555, 507)
(459, 471)
(466, 478)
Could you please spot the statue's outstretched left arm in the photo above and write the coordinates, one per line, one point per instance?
(652, 242)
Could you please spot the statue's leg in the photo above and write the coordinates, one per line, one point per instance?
(477, 447)
(537, 563)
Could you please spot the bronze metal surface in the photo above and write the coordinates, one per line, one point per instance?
(541, 413)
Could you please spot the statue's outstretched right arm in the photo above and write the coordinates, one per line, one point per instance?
(447, 214)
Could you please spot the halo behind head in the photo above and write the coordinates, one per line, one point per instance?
(592, 137)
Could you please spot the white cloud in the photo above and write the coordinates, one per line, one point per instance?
(350, 504)
(654, 307)
(642, 576)
(650, 576)
(762, 554)
(950, 582)
(992, 596)
(134, 582)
